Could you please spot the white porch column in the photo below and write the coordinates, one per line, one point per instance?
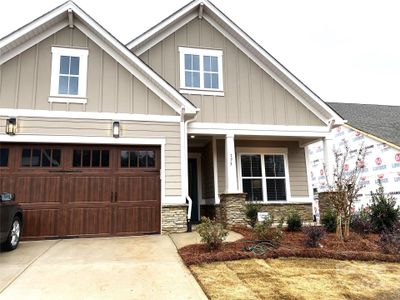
(231, 185)
(328, 158)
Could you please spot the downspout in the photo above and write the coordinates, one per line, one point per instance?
(185, 179)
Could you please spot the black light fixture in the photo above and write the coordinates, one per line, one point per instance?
(115, 129)
(11, 126)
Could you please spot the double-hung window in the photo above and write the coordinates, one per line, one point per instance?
(68, 75)
(201, 71)
(264, 176)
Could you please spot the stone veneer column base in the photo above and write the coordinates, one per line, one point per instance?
(232, 210)
(173, 218)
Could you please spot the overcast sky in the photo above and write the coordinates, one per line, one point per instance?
(344, 50)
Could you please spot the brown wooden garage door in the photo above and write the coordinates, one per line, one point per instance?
(77, 190)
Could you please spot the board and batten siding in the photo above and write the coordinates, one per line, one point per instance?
(103, 128)
(25, 81)
(251, 95)
(296, 159)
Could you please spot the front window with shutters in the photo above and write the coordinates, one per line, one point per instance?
(69, 75)
(201, 71)
(264, 176)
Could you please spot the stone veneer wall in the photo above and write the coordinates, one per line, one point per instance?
(232, 209)
(282, 210)
(324, 201)
(174, 218)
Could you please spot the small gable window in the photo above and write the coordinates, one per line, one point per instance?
(201, 71)
(68, 75)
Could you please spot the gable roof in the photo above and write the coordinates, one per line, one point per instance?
(206, 10)
(382, 121)
(69, 14)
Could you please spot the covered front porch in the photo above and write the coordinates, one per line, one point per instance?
(270, 170)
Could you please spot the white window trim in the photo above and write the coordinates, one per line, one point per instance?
(202, 90)
(55, 97)
(262, 152)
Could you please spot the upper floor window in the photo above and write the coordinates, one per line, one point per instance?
(68, 75)
(201, 71)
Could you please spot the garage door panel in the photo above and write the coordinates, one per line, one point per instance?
(88, 221)
(5, 183)
(38, 189)
(89, 189)
(138, 189)
(137, 220)
(41, 223)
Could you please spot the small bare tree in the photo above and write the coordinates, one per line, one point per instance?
(344, 188)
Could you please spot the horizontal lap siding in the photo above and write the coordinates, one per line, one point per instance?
(25, 81)
(100, 128)
(251, 95)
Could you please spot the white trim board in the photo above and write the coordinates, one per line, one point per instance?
(257, 129)
(6, 112)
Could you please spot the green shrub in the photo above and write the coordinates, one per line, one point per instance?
(211, 233)
(314, 235)
(294, 221)
(263, 231)
(383, 211)
(252, 210)
(329, 220)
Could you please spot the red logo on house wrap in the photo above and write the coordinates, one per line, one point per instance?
(346, 167)
(358, 133)
(397, 157)
(378, 161)
(338, 129)
(380, 176)
(321, 172)
(363, 178)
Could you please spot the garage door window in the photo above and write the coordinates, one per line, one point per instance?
(3, 157)
(93, 158)
(41, 157)
(138, 159)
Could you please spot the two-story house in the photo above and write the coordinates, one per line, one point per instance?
(98, 138)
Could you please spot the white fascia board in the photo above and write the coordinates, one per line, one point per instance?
(257, 130)
(148, 35)
(28, 44)
(48, 114)
(35, 24)
(136, 45)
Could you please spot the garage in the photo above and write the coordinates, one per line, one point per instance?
(82, 190)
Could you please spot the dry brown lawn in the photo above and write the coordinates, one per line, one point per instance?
(299, 278)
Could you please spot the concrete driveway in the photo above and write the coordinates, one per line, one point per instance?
(146, 267)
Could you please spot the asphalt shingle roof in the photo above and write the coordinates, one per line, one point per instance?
(382, 121)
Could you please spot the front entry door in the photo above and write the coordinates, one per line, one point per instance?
(193, 189)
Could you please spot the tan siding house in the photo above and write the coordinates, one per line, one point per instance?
(185, 118)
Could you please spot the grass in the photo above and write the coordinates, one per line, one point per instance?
(298, 278)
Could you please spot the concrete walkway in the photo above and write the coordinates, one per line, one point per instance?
(146, 267)
(189, 238)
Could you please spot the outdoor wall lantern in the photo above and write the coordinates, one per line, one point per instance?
(115, 129)
(11, 126)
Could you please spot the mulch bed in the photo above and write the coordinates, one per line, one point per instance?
(292, 245)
